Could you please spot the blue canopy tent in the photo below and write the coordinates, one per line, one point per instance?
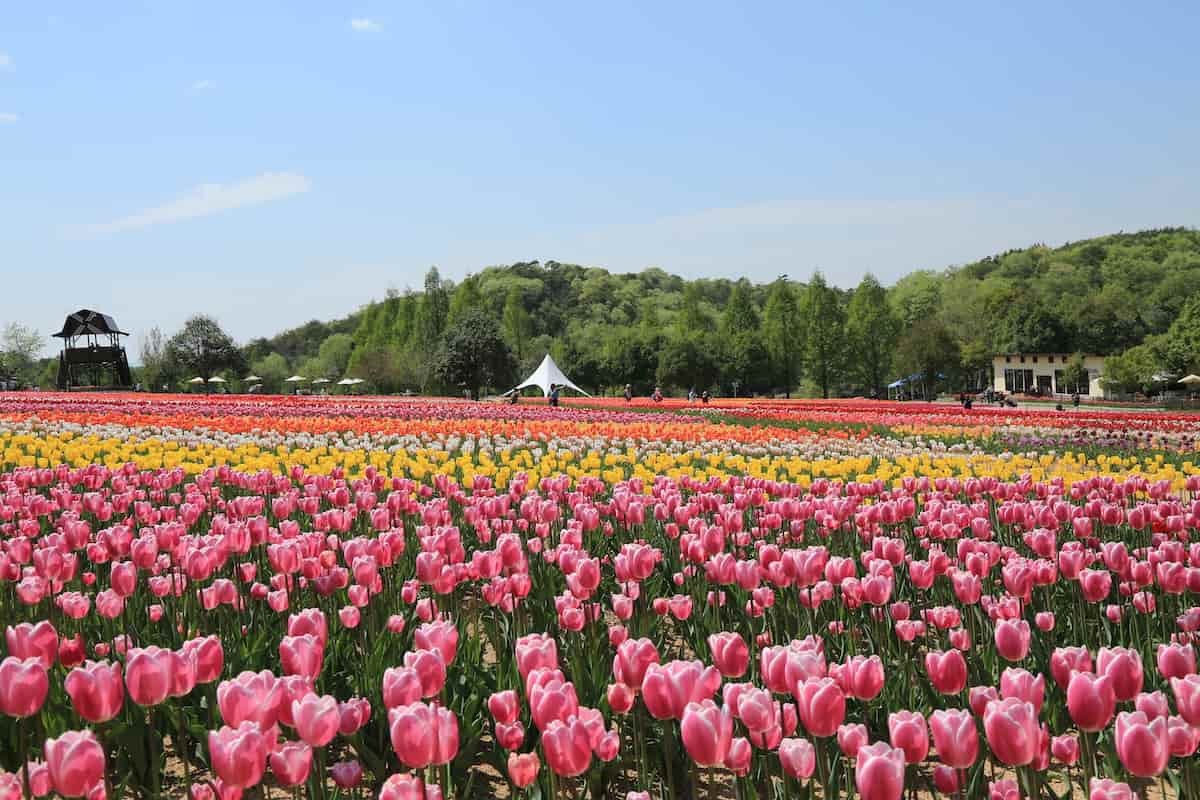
(918, 378)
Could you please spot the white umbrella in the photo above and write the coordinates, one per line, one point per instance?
(346, 382)
(216, 379)
(321, 380)
(196, 379)
(357, 381)
(251, 378)
(295, 379)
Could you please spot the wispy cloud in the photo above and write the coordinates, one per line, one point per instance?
(6, 62)
(8, 118)
(203, 85)
(365, 25)
(210, 198)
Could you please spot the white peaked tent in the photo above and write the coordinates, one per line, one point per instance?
(548, 373)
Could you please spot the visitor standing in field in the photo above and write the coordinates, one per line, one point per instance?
(628, 393)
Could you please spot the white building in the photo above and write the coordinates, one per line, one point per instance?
(1042, 373)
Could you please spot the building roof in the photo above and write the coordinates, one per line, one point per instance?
(86, 322)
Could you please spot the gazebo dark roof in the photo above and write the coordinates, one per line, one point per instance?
(85, 322)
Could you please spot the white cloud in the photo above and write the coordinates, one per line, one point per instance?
(8, 118)
(204, 85)
(364, 25)
(6, 61)
(211, 198)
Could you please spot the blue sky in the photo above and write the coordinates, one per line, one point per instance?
(273, 162)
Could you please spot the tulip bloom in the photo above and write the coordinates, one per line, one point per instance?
(239, 755)
(1091, 701)
(730, 653)
(301, 655)
(707, 733)
(908, 732)
(1176, 660)
(668, 689)
(567, 747)
(798, 758)
(316, 719)
(954, 737)
(879, 772)
(96, 691)
(1124, 667)
(1142, 745)
(947, 671)
(822, 706)
(1012, 638)
(38, 641)
(24, 685)
(1108, 789)
(1012, 731)
(75, 762)
(523, 769)
(148, 675)
(291, 763)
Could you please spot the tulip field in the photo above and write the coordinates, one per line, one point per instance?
(363, 597)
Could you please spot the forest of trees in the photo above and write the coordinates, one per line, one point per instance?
(1136, 296)
(1133, 296)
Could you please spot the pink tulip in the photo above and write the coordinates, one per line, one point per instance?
(633, 658)
(148, 675)
(553, 699)
(861, 678)
(1187, 698)
(979, 697)
(1090, 701)
(737, 760)
(239, 755)
(423, 735)
(96, 691)
(620, 698)
(401, 687)
(851, 738)
(947, 671)
(669, 688)
(291, 763)
(1124, 667)
(430, 669)
(523, 769)
(441, 637)
(1142, 745)
(405, 787)
(352, 715)
(1003, 790)
(1108, 789)
(1065, 749)
(1152, 704)
(1012, 637)
(822, 706)
(730, 653)
(1176, 660)
(1012, 731)
(798, 758)
(908, 732)
(349, 616)
(316, 719)
(537, 650)
(301, 655)
(511, 735)
(945, 779)
(504, 706)
(24, 685)
(1182, 737)
(879, 772)
(954, 737)
(567, 747)
(1016, 682)
(209, 656)
(75, 761)
(310, 621)
(252, 696)
(38, 641)
(707, 733)
(1065, 660)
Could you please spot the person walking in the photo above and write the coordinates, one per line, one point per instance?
(628, 393)
(554, 389)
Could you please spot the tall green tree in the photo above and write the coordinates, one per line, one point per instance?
(824, 334)
(474, 354)
(871, 330)
(466, 296)
(740, 315)
(273, 369)
(928, 353)
(516, 323)
(783, 334)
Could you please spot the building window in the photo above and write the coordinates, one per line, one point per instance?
(1018, 380)
(1035, 359)
(1008, 359)
(1022, 359)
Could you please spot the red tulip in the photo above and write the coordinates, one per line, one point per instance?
(23, 686)
(75, 761)
(291, 763)
(96, 691)
(954, 737)
(908, 732)
(879, 772)
(707, 733)
(1090, 701)
(730, 653)
(523, 769)
(1012, 731)
(947, 671)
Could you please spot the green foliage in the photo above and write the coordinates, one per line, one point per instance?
(19, 348)
(518, 327)
(783, 335)
(202, 348)
(474, 354)
(273, 369)
(871, 330)
(824, 336)
(928, 351)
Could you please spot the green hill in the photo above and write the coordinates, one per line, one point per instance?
(1105, 295)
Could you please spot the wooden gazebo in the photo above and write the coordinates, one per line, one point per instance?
(92, 356)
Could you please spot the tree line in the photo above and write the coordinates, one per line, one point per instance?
(1134, 297)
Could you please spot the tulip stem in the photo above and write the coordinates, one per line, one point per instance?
(22, 745)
